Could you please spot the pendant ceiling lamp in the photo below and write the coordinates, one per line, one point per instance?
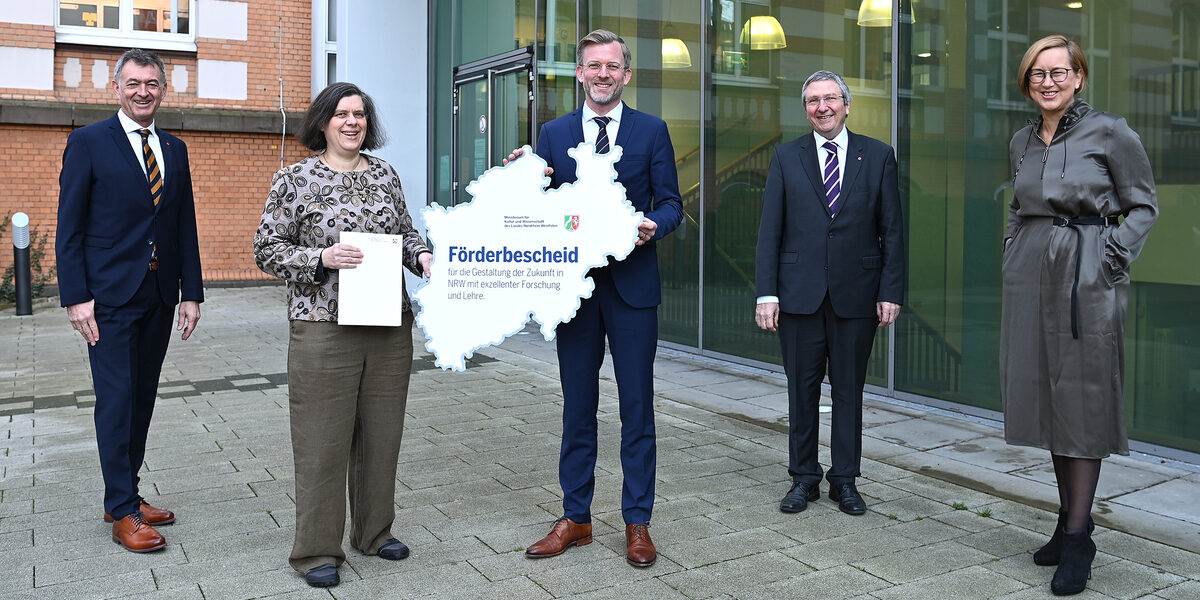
(763, 33)
(877, 13)
(675, 54)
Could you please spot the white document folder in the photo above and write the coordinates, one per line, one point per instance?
(373, 292)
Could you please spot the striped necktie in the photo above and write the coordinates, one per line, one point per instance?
(152, 172)
(602, 145)
(833, 187)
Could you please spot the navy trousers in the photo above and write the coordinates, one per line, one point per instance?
(632, 341)
(809, 344)
(126, 363)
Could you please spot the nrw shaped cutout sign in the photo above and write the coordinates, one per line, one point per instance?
(518, 250)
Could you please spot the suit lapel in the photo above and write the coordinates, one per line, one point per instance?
(808, 159)
(168, 154)
(124, 148)
(121, 139)
(854, 155)
(628, 118)
(576, 127)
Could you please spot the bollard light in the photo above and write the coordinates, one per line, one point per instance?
(23, 275)
(20, 223)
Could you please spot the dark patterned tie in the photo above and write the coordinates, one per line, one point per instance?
(152, 172)
(833, 187)
(602, 137)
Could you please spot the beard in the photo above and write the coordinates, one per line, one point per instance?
(613, 95)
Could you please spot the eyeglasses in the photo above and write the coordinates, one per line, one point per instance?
(613, 67)
(828, 100)
(1057, 75)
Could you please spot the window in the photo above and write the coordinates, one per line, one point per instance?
(156, 24)
(1007, 39)
(1097, 43)
(1185, 64)
(325, 27)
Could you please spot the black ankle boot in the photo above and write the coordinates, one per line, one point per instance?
(1075, 565)
(1048, 555)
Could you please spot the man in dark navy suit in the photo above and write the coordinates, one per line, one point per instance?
(623, 307)
(126, 248)
(830, 270)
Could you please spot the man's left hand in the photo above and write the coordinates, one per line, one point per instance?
(887, 312)
(189, 314)
(646, 231)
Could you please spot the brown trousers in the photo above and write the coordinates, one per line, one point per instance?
(347, 388)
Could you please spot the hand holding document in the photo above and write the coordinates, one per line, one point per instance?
(373, 292)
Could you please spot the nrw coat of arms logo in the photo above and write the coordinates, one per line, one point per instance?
(571, 222)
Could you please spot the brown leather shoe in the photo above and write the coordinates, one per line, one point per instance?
(566, 533)
(135, 535)
(155, 517)
(640, 549)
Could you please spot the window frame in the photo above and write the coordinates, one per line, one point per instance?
(125, 35)
(1185, 109)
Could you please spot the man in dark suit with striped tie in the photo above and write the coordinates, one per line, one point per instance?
(830, 270)
(127, 253)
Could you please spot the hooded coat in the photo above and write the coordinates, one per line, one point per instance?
(1066, 282)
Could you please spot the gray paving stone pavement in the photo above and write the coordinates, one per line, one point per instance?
(954, 512)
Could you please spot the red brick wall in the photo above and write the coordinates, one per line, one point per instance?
(231, 172)
(231, 175)
(265, 35)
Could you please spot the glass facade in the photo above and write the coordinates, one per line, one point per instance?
(935, 79)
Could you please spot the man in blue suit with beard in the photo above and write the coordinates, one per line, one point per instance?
(126, 248)
(623, 307)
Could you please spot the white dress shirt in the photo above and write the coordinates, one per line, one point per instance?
(131, 128)
(842, 139)
(591, 129)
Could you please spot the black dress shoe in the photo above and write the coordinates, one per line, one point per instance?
(322, 576)
(799, 496)
(393, 549)
(848, 499)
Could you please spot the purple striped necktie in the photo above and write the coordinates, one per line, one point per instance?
(833, 186)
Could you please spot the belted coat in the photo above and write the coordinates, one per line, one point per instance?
(1081, 211)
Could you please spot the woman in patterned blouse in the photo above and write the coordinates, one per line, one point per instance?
(348, 385)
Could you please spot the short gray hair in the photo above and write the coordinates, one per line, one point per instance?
(824, 75)
(601, 37)
(141, 58)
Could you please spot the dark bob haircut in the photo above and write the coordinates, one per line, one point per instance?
(321, 111)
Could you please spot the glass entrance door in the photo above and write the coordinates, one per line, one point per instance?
(493, 114)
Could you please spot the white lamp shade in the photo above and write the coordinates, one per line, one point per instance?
(763, 33)
(675, 54)
(875, 13)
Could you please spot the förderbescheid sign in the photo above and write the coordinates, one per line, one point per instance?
(519, 251)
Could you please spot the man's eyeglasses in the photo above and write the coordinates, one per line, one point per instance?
(828, 100)
(1057, 75)
(613, 67)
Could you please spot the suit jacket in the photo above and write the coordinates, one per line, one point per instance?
(647, 170)
(804, 253)
(108, 225)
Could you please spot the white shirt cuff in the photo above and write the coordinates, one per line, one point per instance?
(766, 299)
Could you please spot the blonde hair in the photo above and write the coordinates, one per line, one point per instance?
(1074, 52)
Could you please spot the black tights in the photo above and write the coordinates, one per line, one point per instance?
(1077, 480)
